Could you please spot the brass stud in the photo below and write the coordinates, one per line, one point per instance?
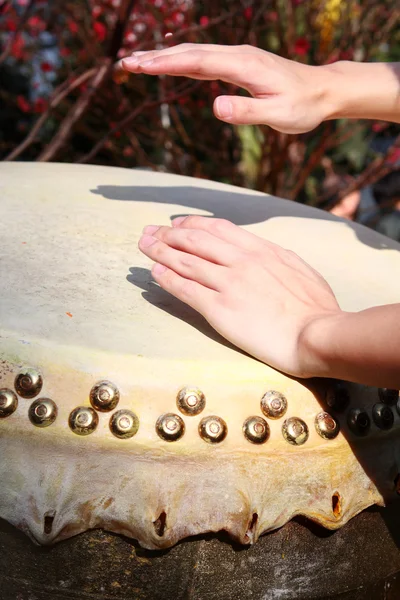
(190, 401)
(388, 396)
(382, 416)
(170, 427)
(295, 431)
(256, 430)
(124, 424)
(104, 396)
(327, 427)
(337, 397)
(83, 420)
(358, 421)
(274, 405)
(42, 412)
(28, 383)
(8, 403)
(213, 429)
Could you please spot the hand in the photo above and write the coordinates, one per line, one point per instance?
(288, 96)
(259, 296)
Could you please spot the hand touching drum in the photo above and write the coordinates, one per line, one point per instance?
(256, 294)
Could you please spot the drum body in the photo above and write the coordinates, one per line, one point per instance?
(123, 409)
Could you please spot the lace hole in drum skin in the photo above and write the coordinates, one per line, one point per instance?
(160, 524)
(336, 504)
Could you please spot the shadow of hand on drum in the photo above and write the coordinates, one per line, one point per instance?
(158, 297)
(239, 208)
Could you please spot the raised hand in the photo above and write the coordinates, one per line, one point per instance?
(288, 96)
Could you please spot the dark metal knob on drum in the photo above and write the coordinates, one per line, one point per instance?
(327, 427)
(274, 404)
(8, 403)
(213, 429)
(104, 396)
(358, 421)
(256, 430)
(42, 412)
(28, 383)
(337, 397)
(124, 424)
(382, 416)
(170, 427)
(83, 420)
(190, 401)
(295, 431)
(388, 396)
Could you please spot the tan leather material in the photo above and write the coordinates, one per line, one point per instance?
(78, 305)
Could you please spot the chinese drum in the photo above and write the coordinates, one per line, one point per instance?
(123, 411)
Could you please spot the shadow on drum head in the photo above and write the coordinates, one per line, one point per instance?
(158, 297)
(240, 208)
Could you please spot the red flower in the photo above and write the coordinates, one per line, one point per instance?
(40, 105)
(36, 23)
(73, 26)
(204, 21)
(301, 46)
(248, 13)
(23, 104)
(46, 67)
(10, 25)
(100, 30)
(17, 48)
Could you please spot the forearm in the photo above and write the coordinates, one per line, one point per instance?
(363, 347)
(362, 91)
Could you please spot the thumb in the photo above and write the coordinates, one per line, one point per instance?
(241, 110)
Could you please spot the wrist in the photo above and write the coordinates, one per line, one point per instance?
(361, 91)
(319, 346)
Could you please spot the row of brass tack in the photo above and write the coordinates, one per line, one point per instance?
(124, 424)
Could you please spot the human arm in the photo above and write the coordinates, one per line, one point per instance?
(288, 96)
(269, 302)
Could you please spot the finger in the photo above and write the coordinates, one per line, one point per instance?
(225, 230)
(191, 292)
(198, 64)
(178, 49)
(184, 264)
(245, 111)
(200, 243)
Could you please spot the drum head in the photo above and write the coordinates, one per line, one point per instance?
(123, 409)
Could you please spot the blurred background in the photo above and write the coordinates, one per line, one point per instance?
(62, 100)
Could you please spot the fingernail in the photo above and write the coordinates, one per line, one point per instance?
(150, 229)
(178, 221)
(130, 62)
(223, 107)
(158, 269)
(146, 241)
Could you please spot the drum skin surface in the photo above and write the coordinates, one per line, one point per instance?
(85, 334)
